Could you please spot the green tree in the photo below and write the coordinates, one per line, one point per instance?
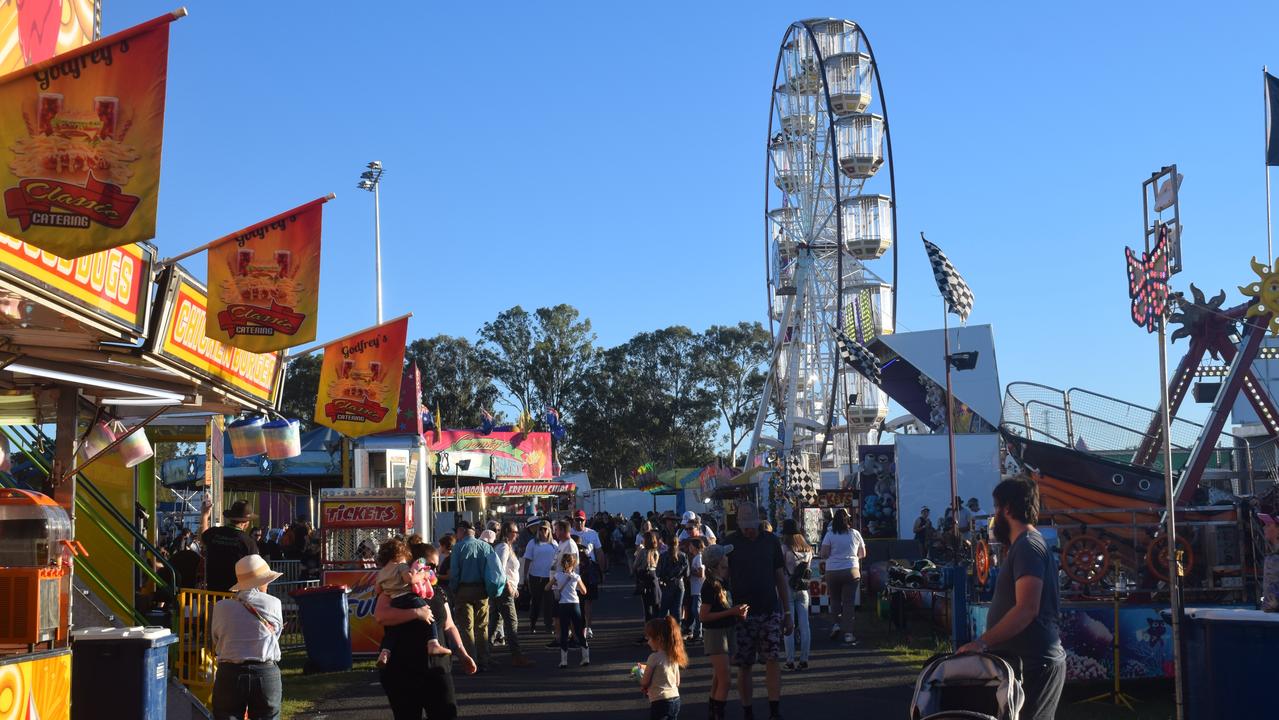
(301, 385)
(452, 379)
(505, 353)
(563, 347)
(733, 363)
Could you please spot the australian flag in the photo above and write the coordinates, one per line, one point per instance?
(959, 298)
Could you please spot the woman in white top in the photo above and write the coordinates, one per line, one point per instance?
(539, 561)
(842, 549)
(797, 555)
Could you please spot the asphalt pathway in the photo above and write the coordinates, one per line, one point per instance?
(840, 682)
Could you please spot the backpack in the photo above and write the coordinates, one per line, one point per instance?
(589, 570)
(800, 578)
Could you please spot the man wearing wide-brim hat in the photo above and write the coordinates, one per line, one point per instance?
(246, 639)
(225, 545)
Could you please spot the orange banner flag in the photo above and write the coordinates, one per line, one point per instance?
(264, 282)
(359, 391)
(80, 137)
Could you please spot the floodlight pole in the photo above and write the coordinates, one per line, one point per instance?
(377, 246)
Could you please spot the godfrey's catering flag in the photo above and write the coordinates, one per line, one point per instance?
(264, 282)
(80, 137)
(359, 391)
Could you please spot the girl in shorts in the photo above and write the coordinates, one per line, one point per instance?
(661, 672)
(719, 616)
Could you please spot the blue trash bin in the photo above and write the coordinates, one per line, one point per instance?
(120, 673)
(326, 627)
(1227, 668)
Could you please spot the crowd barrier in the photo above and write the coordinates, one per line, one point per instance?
(196, 663)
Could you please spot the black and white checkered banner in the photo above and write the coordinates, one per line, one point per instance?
(859, 357)
(958, 296)
(799, 481)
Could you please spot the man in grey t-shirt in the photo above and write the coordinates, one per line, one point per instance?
(1022, 622)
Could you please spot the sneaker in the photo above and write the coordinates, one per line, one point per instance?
(834, 631)
(789, 666)
(803, 665)
(589, 633)
(849, 639)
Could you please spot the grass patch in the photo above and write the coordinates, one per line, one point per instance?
(302, 691)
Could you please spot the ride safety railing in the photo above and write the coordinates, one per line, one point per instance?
(196, 662)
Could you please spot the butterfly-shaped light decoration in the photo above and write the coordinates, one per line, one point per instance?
(1148, 283)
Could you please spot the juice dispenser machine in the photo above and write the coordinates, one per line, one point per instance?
(35, 574)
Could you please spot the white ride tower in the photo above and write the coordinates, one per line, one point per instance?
(829, 215)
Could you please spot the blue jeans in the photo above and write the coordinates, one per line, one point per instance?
(799, 602)
(254, 687)
(570, 615)
(664, 709)
(694, 608)
(672, 600)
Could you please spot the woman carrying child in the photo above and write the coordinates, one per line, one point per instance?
(409, 586)
(661, 672)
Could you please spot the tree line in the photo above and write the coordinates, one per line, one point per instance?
(673, 397)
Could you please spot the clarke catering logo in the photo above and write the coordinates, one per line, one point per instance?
(51, 203)
(255, 320)
(353, 410)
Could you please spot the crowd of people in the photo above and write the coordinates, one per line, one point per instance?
(938, 540)
(742, 595)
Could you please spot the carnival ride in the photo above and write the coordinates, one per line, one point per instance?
(1100, 468)
(829, 213)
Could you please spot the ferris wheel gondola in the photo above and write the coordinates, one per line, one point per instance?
(830, 218)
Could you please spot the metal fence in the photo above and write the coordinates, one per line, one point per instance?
(292, 635)
(196, 663)
(292, 569)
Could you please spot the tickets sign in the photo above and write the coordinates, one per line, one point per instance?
(180, 340)
(110, 285)
(360, 380)
(80, 138)
(265, 282)
(366, 513)
(35, 30)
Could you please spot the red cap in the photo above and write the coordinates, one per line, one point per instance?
(580, 514)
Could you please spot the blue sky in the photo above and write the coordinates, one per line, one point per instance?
(610, 156)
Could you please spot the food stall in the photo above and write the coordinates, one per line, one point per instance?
(353, 523)
(36, 548)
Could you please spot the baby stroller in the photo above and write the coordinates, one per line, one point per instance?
(972, 686)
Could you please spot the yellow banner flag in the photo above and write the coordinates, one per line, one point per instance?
(359, 391)
(80, 138)
(264, 282)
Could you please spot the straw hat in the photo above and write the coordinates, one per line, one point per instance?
(252, 571)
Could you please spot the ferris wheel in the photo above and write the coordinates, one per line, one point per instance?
(829, 221)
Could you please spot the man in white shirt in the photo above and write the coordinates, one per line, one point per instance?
(246, 640)
(694, 522)
(504, 605)
(589, 538)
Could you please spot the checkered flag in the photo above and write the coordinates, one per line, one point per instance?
(799, 482)
(959, 298)
(861, 359)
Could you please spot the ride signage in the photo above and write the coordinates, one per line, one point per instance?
(80, 138)
(265, 282)
(359, 390)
